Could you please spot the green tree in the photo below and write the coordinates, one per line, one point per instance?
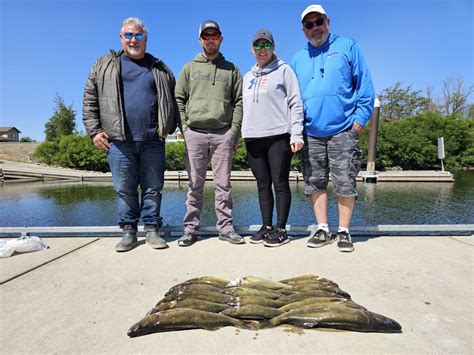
(27, 139)
(62, 123)
(46, 152)
(411, 143)
(77, 151)
(397, 102)
(175, 152)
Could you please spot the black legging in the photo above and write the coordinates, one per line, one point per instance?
(269, 160)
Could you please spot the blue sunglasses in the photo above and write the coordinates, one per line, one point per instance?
(130, 35)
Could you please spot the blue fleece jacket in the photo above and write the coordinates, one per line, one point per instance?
(335, 86)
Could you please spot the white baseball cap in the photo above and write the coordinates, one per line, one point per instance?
(312, 8)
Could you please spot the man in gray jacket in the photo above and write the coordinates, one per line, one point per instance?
(129, 108)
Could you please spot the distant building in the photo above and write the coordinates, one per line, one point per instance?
(9, 134)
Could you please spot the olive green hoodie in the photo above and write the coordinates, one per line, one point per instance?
(209, 95)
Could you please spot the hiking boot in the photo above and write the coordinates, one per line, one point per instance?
(276, 238)
(154, 240)
(344, 242)
(261, 235)
(319, 239)
(187, 239)
(128, 241)
(232, 237)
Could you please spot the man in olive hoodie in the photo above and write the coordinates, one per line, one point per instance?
(209, 98)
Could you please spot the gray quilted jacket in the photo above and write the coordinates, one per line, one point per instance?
(102, 109)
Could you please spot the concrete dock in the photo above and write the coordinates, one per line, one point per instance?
(80, 296)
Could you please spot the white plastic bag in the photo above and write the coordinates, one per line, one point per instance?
(24, 244)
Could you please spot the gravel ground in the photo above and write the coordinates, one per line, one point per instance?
(18, 151)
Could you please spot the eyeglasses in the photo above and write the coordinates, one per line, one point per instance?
(130, 35)
(310, 24)
(258, 46)
(208, 36)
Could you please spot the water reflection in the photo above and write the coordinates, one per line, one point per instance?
(76, 204)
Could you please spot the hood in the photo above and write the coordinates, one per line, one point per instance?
(309, 47)
(200, 58)
(259, 73)
(272, 66)
(318, 68)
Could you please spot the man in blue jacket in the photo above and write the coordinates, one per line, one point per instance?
(338, 98)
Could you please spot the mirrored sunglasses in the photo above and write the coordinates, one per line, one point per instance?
(266, 45)
(130, 35)
(207, 36)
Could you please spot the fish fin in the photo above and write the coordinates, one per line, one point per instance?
(251, 325)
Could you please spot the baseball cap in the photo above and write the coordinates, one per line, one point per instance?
(312, 8)
(263, 34)
(209, 25)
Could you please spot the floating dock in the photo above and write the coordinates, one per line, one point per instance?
(22, 172)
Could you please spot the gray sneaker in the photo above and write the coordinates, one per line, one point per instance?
(232, 237)
(128, 241)
(187, 239)
(154, 240)
(319, 239)
(344, 242)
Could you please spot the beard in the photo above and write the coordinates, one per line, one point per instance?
(135, 52)
(318, 39)
(210, 49)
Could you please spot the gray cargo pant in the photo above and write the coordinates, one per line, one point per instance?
(200, 148)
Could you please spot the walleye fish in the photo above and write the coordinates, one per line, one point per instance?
(338, 316)
(308, 279)
(314, 301)
(307, 294)
(247, 291)
(210, 280)
(322, 287)
(257, 282)
(186, 318)
(193, 286)
(262, 301)
(252, 311)
(202, 294)
(192, 303)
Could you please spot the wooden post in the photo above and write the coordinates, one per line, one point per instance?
(374, 128)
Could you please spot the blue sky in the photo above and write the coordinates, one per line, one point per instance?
(49, 46)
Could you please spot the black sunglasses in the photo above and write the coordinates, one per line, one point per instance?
(310, 24)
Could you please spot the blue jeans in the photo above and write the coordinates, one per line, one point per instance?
(136, 164)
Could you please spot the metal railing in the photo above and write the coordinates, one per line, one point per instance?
(104, 231)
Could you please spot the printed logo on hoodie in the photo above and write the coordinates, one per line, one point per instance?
(199, 76)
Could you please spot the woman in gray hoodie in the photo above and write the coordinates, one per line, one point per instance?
(272, 127)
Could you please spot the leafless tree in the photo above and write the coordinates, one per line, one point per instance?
(455, 96)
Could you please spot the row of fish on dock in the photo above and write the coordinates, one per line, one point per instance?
(255, 303)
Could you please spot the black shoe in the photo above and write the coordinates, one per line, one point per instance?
(276, 238)
(187, 239)
(154, 240)
(319, 239)
(261, 235)
(344, 242)
(128, 241)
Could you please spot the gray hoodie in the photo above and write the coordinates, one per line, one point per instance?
(272, 102)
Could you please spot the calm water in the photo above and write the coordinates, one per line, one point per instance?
(75, 204)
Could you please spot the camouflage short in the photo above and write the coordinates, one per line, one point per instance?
(339, 154)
